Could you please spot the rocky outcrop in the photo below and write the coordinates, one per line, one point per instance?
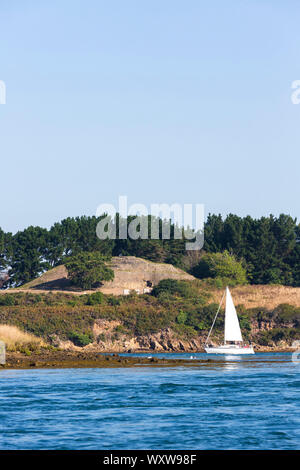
(110, 336)
(265, 325)
(164, 340)
(262, 325)
(67, 345)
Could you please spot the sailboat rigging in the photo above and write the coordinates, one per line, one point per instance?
(233, 340)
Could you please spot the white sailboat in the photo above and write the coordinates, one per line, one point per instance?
(233, 340)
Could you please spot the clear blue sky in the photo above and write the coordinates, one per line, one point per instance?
(162, 101)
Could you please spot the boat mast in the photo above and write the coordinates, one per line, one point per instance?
(214, 319)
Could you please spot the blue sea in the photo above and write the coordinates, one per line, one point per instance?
(249, 402)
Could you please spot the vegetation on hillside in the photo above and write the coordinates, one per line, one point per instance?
(183, 306)
(222, 266)
(268, 247)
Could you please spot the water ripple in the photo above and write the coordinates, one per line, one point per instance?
(247, 404)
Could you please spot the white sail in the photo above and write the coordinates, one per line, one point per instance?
(232, 326)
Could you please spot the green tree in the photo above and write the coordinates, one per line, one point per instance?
(88, 269)
(5, 249)
(28, 255)
(270, 246)
(214, 237)
(221, 265)
(74, 235)
(2, 249)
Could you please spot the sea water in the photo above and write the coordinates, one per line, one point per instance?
(231, 403)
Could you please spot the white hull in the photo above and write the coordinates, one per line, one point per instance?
(233, 340)
(238, 350)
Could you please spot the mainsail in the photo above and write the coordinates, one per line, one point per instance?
(232, 327)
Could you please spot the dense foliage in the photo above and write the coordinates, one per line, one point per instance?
(71, 317)
(268, 247)
(173, 287)
(221, 265)
(88, 269)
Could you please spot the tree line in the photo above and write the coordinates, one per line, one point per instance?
(268, 247)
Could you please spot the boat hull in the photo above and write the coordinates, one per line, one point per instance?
(230, 350)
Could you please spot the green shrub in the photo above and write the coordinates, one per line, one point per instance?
(181, 318)
(173, 287)
(120, 329)
(96, 298)
(287, 313)
(113, 301)
(36, 298)
(185, 331)
(275, 335)
(221, 266)
(244, 322)
(80, 339)
(7, 299)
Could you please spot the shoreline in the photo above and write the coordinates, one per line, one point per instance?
(74, 359)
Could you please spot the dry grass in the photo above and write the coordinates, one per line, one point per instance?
(17, 340)
(268, 296)
(251, 296)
